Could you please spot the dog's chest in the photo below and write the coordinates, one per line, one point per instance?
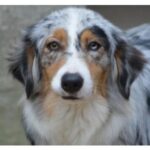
(77, 125)
(72, 125)
(71, 131)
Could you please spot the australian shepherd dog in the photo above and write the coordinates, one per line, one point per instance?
(86, 81)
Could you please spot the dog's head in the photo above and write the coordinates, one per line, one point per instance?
(75, 54)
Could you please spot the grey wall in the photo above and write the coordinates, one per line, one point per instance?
(15, 18)
(125, 16)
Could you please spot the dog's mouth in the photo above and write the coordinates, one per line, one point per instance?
(70, 98)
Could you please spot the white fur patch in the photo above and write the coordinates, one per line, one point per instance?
(69, 124)
(74, 65)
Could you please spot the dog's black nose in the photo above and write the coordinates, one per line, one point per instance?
(71, 82)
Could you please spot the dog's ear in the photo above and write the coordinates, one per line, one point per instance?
(22, 63)
(130, 63)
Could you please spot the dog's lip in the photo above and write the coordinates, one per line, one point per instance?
(70, 97)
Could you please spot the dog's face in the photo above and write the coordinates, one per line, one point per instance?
(75, 54)
(76, 64)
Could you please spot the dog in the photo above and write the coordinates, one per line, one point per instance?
(86, 81)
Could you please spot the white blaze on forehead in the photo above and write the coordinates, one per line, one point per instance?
(74, 63)
(72, 29)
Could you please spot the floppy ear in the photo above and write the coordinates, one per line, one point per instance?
(22, 63)
(130, 63)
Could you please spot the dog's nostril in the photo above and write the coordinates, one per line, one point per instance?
(71, 82)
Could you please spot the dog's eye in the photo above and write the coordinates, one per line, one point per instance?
(93, 46)
(54, 46)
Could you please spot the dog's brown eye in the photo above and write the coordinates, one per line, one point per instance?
(54, 46)
(93, 46)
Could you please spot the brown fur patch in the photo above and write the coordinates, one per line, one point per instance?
(49, 103)
(100, 56)
(51, 62)
(59, 35)
(30, 57)
(96, 66)
(48, 73)
(87, 36)
(48, 98)
(118, 56)
(99, 76)
(48, 57)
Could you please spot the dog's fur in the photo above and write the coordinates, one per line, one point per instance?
(113, 104)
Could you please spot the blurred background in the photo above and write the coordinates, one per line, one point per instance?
(13, 19)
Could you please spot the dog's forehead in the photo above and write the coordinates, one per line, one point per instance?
(75, 18)
(66, 17)
(73, 21)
